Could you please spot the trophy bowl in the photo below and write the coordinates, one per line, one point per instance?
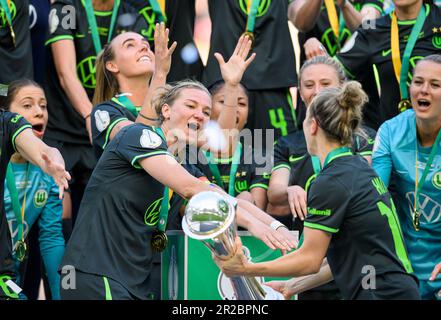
(211, 218)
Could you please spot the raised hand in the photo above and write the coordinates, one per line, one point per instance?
(163, 53)
(233, 70)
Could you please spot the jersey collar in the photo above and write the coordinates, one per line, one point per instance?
(337, 153)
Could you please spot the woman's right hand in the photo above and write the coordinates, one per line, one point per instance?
(314, 48)
(297, 201)
(283, 287)
(233, 70)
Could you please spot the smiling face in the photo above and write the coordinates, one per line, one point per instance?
(188, 114)
(314, 78)
(242, 104)
(30, 102)
(132, 56)
(425, 90)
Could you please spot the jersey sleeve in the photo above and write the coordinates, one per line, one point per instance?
(281, 155)
(355, 54)
(377, 4)
(382, 156)
(15, 124)
(58, 14)
(326, 208)
(364, 145)
(51, 238)
(104, 118)
(140, 142)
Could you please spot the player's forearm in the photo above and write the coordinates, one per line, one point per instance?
(352, 17)
(305, 283)
(304, 14)
(75, 92)
(277, 194)
(255, 212)
(148, 114)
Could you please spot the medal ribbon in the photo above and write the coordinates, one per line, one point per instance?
(419, 184)
(158, 7)
(6, 5)
(168, 193)
(94, 27)
(125, 102)
(252, 10)
(19, 212)
(233, 170)
(402, 69)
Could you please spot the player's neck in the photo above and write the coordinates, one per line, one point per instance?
(138, 89)
(324, 148)
(408, 12)
(17, 158)
(171, 139)
(103, 5)
(427, 131)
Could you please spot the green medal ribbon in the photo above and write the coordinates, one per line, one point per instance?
(403, 70)
(337, 153)
(5, 4)
(18, 212)
(125, 102)
(159, 9)
(233, 170)
(252, 13)
(165, 203)
(94, 27)
(419, 184)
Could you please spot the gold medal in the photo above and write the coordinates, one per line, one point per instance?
(404, 104)
(159, 241)
(21, 250)
(12, 36)
(250, 36)
(416, 220)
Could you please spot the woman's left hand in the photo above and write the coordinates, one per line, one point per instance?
(163, 53)
(236, 265)
(233, 70)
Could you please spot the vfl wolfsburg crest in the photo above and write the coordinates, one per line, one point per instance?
(436, 41)
(86, 72)
(263, 7)
(330, 41)
(150, 139)
(3, 19)
(40, 198)
(240, 186)
(436, 180)
(151, 215)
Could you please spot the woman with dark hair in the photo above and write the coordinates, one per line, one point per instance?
(351, 214)
(31, 195)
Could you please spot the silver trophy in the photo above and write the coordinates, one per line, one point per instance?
(211, 218)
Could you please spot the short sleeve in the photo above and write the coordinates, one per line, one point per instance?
(104, 118)
(15, 124)
(139, 142)
(364, 145)
(260, 178)
(382, 155)
(377, 4)
(355, 54)
(61, 10)
(281, 155)
(327, 204)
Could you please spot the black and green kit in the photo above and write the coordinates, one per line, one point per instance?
(11, 125)
(350, 202)
(118, 215)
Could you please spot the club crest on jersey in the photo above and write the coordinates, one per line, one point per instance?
(436, 180)
(102, 120)
(40, 198)
(150, 139)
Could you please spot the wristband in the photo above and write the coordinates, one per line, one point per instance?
(147, 118)
(276, 225)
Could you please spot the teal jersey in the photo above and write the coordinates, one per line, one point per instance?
(42, 205)
(395, 158)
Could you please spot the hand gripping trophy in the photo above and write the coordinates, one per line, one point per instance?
(211, 218)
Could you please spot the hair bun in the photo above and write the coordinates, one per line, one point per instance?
(352, 96)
